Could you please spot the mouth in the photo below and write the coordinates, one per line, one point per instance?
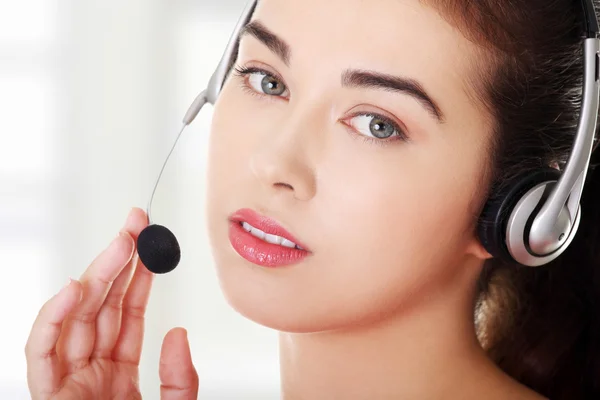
(269, 237)
(263, 241)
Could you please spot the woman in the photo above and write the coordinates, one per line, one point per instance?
(368, 137)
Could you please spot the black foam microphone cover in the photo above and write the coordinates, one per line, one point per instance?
(158, 249)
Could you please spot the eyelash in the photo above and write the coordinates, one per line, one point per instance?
(243, 72)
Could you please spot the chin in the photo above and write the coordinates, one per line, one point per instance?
(256, 310)
(275, 300)
(261, 297)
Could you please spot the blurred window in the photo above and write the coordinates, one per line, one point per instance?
(29, 97)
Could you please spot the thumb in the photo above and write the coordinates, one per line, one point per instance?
(178, 377)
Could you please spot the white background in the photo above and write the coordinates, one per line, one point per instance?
(91, 97)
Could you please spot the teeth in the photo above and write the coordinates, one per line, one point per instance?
(287, 243)
(273, 239)
(258, 233)
(267, 237)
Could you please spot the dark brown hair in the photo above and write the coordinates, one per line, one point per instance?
(540, 325)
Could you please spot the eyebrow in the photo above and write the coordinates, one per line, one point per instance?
(350, 78)
(269, 39)
(376, 80)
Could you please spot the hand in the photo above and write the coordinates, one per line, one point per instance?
(86, 341)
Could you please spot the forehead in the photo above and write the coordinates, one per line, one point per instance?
(399, 37)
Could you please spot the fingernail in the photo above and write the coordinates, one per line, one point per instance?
(113, 242)
(122, 233)
(129, 216)
(66, 286)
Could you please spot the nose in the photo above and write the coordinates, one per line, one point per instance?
(281, 162)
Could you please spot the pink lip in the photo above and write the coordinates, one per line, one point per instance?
(257, 250)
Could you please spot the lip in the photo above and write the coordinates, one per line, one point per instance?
(265, 224)
(258, 251)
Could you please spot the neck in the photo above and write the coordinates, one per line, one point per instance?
(423, 353)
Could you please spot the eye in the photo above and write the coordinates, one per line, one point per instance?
(262, 81)
(267, 84)
(376, 126)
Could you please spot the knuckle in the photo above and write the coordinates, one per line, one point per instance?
(84, 317)
(104, 281)
(114, 305)
(117, 295)
(79, 363)
(31, 351)
(48, 354)
(134, 312)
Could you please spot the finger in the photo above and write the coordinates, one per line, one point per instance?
(129, 344)
(43, 372)
(178, 377)
(108, 322)
(77, 341)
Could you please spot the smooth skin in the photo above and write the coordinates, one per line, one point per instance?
(86, 341)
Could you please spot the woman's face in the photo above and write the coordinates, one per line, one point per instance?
(350, 124)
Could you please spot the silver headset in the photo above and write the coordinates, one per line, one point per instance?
(537, 217)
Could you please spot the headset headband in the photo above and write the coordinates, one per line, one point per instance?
(590, 21)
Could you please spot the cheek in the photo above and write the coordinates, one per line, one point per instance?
(229, 146)
(227, 135)
(386, 237)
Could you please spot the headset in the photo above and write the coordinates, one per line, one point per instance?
(535, 219)
(531, 223)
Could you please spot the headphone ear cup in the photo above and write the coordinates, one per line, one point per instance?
(499, 207)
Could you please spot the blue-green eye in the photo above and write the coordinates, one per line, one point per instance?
(263, 82)
(266, 84)
(375, 126)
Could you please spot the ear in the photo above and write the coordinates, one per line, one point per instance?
(476, 249)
